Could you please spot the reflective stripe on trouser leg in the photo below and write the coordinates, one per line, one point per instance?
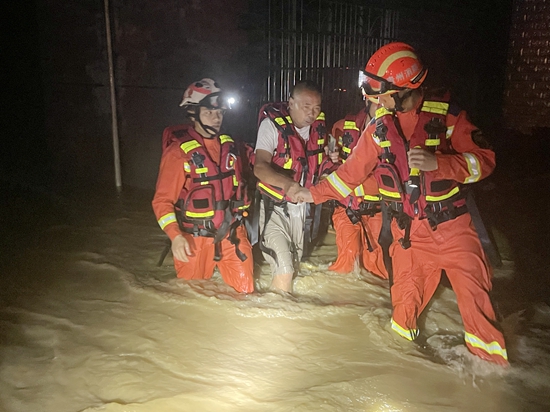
(470, 276)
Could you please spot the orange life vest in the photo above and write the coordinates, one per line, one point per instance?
(412, 192)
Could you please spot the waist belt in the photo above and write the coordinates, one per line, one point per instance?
(436, 213)
(370, 208)
(441, 212)
(195, 231)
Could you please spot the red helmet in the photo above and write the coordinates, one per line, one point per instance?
(205, 92)
(391, 68)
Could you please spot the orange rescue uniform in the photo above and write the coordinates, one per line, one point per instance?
(171, 179)
(350, 238)
(454, 246)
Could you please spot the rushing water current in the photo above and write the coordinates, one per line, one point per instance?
(89, 322)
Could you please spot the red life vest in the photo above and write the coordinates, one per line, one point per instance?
(352, 130)
(292, 156)
(353, 126)
(216, 194)
(411, 192)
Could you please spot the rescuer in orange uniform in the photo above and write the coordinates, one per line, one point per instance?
(357, 219)
(200, 198)
(424, 152)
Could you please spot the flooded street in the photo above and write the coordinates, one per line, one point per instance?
(89, 322)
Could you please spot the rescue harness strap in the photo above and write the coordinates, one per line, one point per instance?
(436, 213)
(218, 234)
(219, 176)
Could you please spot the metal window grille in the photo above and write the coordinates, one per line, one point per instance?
(327, 42)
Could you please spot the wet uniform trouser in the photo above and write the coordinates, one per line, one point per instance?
(284, 234)
(351, 243)
(454, 247)
(234, 272)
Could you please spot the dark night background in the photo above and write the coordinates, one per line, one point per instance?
(56, 132)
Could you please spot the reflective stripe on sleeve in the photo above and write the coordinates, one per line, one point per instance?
(167, 219)
(473, 167)
(410, 334)
(339, 184)
(492, 348)
(450, 130)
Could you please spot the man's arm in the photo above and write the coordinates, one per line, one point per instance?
(352, 173)
(265, 173)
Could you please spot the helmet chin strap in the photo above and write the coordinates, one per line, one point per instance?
(208, 129)
(193, 115)
(399, 100)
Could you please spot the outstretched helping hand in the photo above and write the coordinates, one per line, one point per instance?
(304, 195)
(298, 194)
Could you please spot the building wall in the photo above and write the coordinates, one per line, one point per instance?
(527, 94)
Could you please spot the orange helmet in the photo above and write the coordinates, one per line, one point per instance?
(391, 68)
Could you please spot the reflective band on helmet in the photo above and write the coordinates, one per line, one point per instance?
(190, 145)
(338, 184)
(442, 197)
(167, 219)
(492, 348)
(474, 168)
(410, 334)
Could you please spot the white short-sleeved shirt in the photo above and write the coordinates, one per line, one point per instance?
(268, 135)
